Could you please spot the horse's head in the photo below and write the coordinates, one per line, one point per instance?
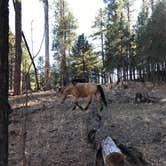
(65, 91)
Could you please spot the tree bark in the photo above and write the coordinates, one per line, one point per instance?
(4, 106)
(111, 153)
(63, 65)
(18, 56)
(47, 63)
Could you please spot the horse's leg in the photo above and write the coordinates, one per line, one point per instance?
(79, 106)
(74, 107)
(76, 104)
(63, 99)
(89, 102)
(101, 108)
(98, 98)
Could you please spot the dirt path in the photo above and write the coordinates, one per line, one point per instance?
(57, 136)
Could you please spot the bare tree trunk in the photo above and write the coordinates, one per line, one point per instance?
(33, 63)
(103, 57)
(18, 56)
(64, 70)
(11, 75)
(47, 63)
(152, 4)
(134, 75)
(129, 42)
(64, 73)
(4, 106)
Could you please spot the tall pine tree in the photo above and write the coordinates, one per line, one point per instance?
(64, 33)
(84, 62)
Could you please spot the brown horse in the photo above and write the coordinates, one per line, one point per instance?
(85, 90)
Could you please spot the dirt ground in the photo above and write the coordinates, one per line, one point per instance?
(55, 135)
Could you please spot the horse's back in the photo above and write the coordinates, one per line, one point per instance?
(86, 89)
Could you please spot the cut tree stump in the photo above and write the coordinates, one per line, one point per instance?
(112, 155)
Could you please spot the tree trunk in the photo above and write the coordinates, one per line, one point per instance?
(134, 75)
(4, 106)
(64, 71)
(103, 58)
(18, 56)
(152, 5)
(47, 63)
(84, 68)
(10, 75)
(118, 75)
(33, 63)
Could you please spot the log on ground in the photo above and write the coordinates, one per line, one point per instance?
(103, 144)
(108, 151)
(145, 98)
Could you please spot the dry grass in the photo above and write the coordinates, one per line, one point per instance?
(57, 136)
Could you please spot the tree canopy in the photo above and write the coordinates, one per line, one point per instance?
(126, 50)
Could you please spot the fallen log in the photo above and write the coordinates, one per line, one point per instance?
(103, 144)
(108, 151)
(145, 98)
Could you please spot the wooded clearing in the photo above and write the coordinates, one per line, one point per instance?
(129, 61)
(57, 136)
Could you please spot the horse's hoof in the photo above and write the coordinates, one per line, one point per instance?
(73, 108)
(82, 109)
(101, 109)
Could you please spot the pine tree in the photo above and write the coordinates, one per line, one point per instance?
(64, 33)
(155, 42)
(116, 39)
(140, 30)
(84, 61)
(99, 25)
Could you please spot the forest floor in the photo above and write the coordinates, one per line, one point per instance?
(56, 135)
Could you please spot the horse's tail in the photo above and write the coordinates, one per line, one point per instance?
(100, 89)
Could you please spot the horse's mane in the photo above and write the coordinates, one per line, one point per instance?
(78, 80)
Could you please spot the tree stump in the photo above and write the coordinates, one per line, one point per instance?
(112, 155)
